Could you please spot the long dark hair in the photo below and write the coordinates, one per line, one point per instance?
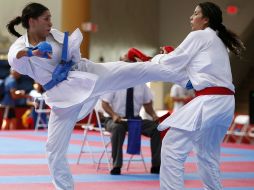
(31, 10)
(229, 38)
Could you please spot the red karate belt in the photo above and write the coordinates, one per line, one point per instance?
(214, 91)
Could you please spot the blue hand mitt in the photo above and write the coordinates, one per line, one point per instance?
(44, 47)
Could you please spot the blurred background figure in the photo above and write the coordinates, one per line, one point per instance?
(180, 96)
(29, 118)
(11, 94)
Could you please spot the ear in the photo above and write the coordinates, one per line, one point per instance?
(31, 22)
(206, 21)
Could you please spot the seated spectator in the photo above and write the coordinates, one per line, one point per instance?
(36, 93)
(127, 104)
(11, 94)
(180, 96)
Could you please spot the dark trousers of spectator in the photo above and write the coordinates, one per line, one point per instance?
(118, 133)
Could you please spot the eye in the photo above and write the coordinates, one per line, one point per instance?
(47, 18)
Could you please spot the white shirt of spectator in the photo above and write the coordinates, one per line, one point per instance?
(178, 92)
(117, 100)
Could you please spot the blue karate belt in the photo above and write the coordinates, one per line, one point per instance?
(62, 69)
(189, 85)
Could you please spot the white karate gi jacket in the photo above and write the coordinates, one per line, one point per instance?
(203, 59)
(79, 85)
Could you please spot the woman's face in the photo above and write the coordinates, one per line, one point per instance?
(41, 25)
(197, 21)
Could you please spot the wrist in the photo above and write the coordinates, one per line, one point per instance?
(114, 115)
(22, 53)
(29, 52)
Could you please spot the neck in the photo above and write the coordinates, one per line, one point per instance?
(34, 39)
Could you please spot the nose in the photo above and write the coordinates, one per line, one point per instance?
(191, 17)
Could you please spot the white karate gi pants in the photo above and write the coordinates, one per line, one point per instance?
(60, 128)
(176, 146)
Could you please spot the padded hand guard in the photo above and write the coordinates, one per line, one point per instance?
(44, 47)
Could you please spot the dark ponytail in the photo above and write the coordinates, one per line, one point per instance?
(11, 24)
(32, 10)
(229, 38)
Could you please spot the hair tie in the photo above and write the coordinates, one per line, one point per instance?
(18, 19)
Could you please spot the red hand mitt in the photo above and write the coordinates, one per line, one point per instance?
(135, 53)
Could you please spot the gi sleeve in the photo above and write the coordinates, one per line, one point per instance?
(177, 61)
(19, 65)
